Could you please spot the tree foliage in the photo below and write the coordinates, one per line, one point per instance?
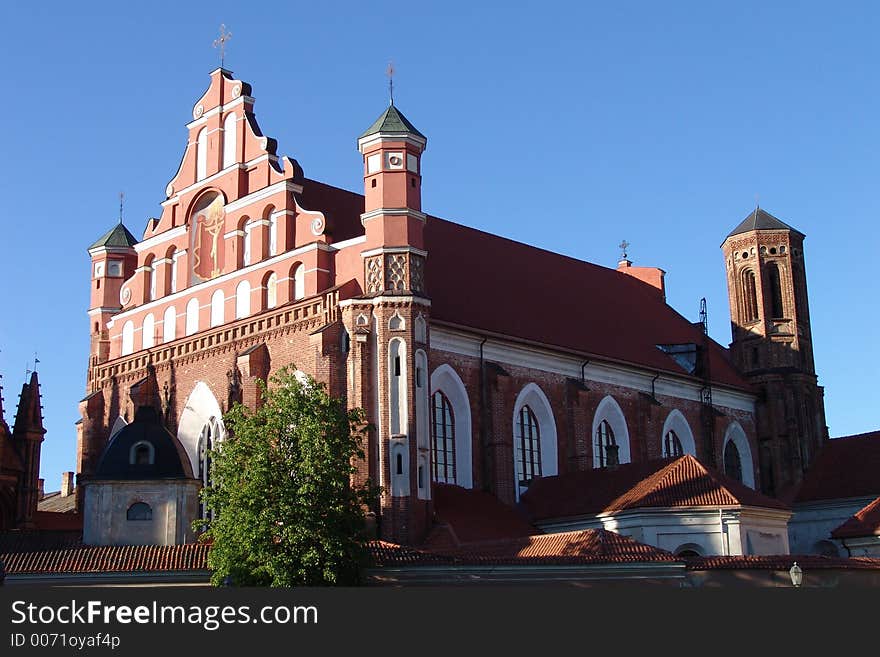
(284, 510)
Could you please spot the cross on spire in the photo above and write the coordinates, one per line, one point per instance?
(390, 72)
(121, 203)
(624, 245)
(220, 42)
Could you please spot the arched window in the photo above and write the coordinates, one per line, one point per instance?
(142, 453)
(299, 282)
(732, 461)
(443, 448)
(171, 268)
(606, 445)
(242, 300)
(776, 307)
(139, 512)
(527, 443)
(750, 296)
(672, 445)
(150, 278)
(455, 395)
(207, 440)
(217, 302)
(271, 291)
(229, 140)
(192, 316)
(148, 332)
(273, 235)
(246, 252)
(169, 324)
(127, 338)
(202, 154)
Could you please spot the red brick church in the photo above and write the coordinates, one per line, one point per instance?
(482, 362)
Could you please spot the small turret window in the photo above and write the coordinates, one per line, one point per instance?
(140, 512)
(142, 453)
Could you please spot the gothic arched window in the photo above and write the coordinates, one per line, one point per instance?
(207, 440)
(527, 443)
(443, 447)
(776, 307)
(750, 296)
(672, 445)
(732, 461)
(606, 445)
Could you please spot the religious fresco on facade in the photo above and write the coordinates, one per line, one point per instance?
(206, 228)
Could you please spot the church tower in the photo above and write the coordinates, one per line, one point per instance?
(390, 324)
(113, 261)
(772, 344)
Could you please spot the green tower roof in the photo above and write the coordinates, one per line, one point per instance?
(118, 236)
(392, 122)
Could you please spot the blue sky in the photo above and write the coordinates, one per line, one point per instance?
(657, 123)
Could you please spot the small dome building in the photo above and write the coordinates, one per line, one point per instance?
(143, 491)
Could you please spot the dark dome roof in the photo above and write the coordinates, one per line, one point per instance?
(170, 459)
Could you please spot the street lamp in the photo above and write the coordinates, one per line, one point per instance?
(797, 575)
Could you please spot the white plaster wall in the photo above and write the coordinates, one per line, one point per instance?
(174, 504)
(815, 521)
(713, 534)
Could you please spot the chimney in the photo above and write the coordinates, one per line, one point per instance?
(40, 489)
(66, 483)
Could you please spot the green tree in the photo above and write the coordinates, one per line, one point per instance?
(283, 509)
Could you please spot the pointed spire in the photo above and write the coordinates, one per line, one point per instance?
(390, 73)
(29, 416)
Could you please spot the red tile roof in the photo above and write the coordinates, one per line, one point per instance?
(23, 540)
(844, 467)
(681, 482)
(865, 522)
(585, 547)
(481, 281)
(485, 280)
(465, 516)
(57, 503)
(109, 559)
(780, 562)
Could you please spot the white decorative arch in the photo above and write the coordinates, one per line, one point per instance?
(201, 409)
(217, 315)
(229, 140)
(534, 397)
(127, 338)
(148, 331)
(677, 422)
(169, 324)
(446, 380)
(610, 411)
(192, 316)
(299, 282)
(202, 154)
(242, 300)
(736, 434)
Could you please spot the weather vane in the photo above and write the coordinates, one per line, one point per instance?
(390, 73)
(220, 42)
(121, 202)
(624, 245)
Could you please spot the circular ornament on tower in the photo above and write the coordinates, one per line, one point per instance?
(198, 111)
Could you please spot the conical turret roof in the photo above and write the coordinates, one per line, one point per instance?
(118, 236)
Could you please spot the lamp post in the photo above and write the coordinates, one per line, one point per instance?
(797, 575)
